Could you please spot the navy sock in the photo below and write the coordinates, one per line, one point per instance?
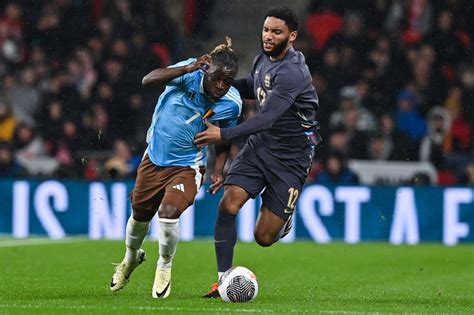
(225, 237)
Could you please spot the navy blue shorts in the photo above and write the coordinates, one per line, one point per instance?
(254, 169)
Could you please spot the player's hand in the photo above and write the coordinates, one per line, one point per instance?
(217, 183)
(202, 63)
(209, 136)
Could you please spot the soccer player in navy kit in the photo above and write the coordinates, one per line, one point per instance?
(170, 173)
(278, 155)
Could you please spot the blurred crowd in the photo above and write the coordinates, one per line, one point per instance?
(395, 81)
(71, 101)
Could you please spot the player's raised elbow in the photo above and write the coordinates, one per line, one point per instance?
(153, 79)
(146, 81)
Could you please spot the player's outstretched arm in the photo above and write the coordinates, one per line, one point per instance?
(260, 122)
(161, 76)
(211, 135)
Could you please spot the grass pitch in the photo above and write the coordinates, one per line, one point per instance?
(72, 277)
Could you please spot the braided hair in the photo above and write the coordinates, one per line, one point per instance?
(223, 55)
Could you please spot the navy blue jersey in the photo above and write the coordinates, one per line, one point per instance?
(287, 105)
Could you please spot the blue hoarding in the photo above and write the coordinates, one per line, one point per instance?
(399, 215)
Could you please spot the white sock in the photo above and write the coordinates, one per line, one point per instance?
(136, 232)
(168, 238)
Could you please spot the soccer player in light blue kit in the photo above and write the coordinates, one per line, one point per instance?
(172, 168)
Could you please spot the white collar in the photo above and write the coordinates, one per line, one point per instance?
(201, 85)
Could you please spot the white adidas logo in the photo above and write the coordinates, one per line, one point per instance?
(179, 187)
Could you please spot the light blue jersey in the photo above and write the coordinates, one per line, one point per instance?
(178, 118)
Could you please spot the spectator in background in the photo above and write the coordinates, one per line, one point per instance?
(352, 45)
(112, 74)
(407, 118)
(82, 73)
(358, 139)
(105, 28)
(47, 31)
(50, 122)
(399, 142)
(327, 97)
(68, 60)
(382, 74)
(9, 167)
(71, 137)
(376, 15)
(137, 120)
(28, 143)
(11, 35)
(60, 87)
(328, 75)
(25, 96)
(123, 164)
(65, 160)
(466, 76)
(122, 15)
(104, 94)
(350, 102)
(418, 19)
(140, 58)
(432, 146)
(352, 35)
(337, 140)
(7, 120)
(433, 149)
(197, 17)
(97, 135)
(460, 135)
(379, 148)
(31, 151)
(41, 67)
(449, 47)
(96, 47)
(74, 48)
(335, 171)
(366, 101)
(426, 79)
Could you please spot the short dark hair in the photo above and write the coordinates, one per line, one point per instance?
(285, 14)
(224, 55)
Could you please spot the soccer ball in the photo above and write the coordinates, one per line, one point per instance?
(238, 284)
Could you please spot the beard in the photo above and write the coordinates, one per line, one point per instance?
(277, 49)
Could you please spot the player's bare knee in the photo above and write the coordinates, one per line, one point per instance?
(142, 215)
(264, 239)
(226, 205)
(230, 204)
(168, 212)
(233, 200)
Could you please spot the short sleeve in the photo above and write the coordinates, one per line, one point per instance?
(184, 79)
(228, 111)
